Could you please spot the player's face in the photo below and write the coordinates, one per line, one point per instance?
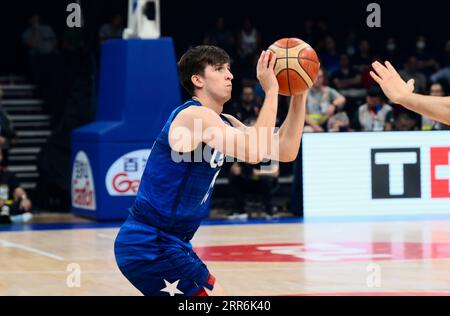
(218, 81)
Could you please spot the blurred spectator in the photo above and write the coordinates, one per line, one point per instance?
(247, 109)
(363, 58)
(14, 204)
(249, 179)
(7, 133)
(249, 41)
(322, 29)
(249, 44)
(54, 166)
(372, 115)
(436, 89)
(339, 123)
(259, 91)
(426, 63)
(247, 73)
(322, 102)
(308, 32)
(443, 75)
(350, 43)
(410, 71)
(392, 52)
(111, 30)
(346, 77)
(220, 36)
(444, 58)
(39, 38)
(404, 119)
(330, 58)
(366, 79)
(347, 80)
(47, 67)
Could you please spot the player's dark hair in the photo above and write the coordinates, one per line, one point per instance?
(195, 60)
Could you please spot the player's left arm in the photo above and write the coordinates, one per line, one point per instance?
(287, 138)
(289, 134)
(275, 153)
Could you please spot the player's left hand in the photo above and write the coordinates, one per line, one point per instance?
(265, 72)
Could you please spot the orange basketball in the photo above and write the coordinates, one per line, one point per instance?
(297, 65)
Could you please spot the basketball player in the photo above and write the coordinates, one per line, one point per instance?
(401, 92)
(153, 248)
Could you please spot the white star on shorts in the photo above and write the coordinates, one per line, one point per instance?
(171, 288)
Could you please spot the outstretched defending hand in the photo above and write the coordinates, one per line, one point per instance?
(390, 81)
(265, 72)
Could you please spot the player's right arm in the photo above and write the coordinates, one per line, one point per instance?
(200, 124)
(401, 92)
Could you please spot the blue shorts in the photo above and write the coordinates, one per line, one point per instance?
(158, 263)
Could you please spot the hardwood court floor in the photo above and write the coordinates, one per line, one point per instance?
(339, 257)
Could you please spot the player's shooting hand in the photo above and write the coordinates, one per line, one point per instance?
(265, 72)
(390, 81)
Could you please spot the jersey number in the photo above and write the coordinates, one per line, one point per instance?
(210, 188)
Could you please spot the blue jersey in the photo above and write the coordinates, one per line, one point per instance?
(174, 195)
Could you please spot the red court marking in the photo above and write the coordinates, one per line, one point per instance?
(440, 162)
(325, 252)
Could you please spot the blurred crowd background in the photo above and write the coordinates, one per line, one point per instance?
(62, 65)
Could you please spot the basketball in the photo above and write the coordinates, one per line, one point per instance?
(296, 67)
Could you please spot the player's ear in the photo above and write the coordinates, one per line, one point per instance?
(197, 80)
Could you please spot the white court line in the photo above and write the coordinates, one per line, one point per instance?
(201, 240)
(118, 272)
(256, 269)
(212, 238)
(8, 244)
(58, 272)
(105, 236)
